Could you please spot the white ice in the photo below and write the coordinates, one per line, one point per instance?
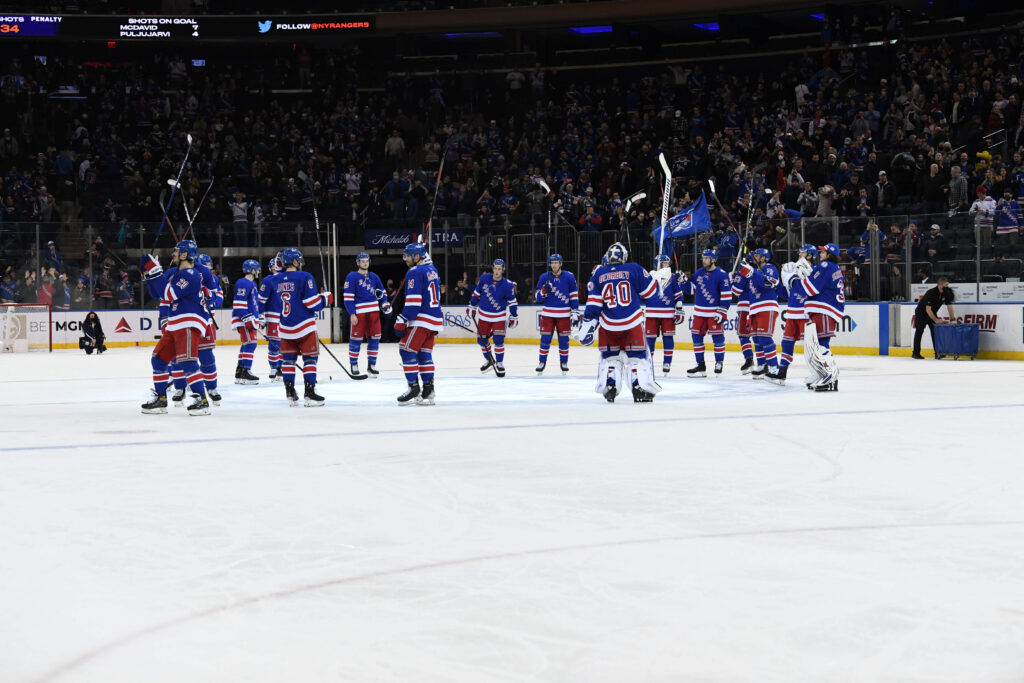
(521, 530)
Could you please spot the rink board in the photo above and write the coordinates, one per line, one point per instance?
(866, 329)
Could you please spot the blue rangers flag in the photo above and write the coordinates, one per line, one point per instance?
(693, 219)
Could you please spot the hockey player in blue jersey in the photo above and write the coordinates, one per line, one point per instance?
(213, 299)
(663, 312)
(741, 297)
(824, 307)
(245, 318)
(615, 294)
(493, 302)
(796, 318)
(364, 298)
(559, 295)
(187, 320)
(764, 310)
(418, 324)
(711, 288)
(271, 317)
(296, 295)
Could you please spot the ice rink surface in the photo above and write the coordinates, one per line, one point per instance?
(521, 530)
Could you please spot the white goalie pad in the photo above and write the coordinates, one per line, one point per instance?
(820, 360)
(618, 373)
(644, 373)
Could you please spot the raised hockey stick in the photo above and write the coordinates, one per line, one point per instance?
(665, 201)
(191, 219)
(188, 137)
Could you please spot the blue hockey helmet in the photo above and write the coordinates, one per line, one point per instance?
(553, 258)
(204, 260)
(289, 257)
(661, 260)
(604, 260)
(831, 249)
(617, 253)
(499, 262)
(250, 266)
(275, 265)
(187, 249)
(709, 253)
(809, 248)
(362, 255)
(763, 253)
(415, 249)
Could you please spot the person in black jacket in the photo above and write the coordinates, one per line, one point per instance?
(93, 334)
(929, 305)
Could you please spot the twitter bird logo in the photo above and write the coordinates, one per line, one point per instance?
(264, 26)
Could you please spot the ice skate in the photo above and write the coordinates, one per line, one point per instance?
(312, 398)
(157, 405)
(565, 368)
(748, 365)
(540, 368)
(427, 397)
(199, 406)
(411, 396)
(214, 396)
(372, 371)
(700, 370)
(778, 377)
(718, 369)
(759, 372)
(290, 393)
(499, 369)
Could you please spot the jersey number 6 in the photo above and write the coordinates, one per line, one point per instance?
(286, 306)
(616, 294)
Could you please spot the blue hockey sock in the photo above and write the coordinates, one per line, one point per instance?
(209, 368)
(499, 347)
(824, 341)
(545, 345)
(719, 342)
(485, 347)
(652, 339)
(668, 342)
(160, 376)
(274, 354)
(563, 348)
(353, 351)
(309, 369)
(748, 348)
(787, 351)
(426, 364)
(410, 365)
(178, 377)
(288, 367)
(194, 375)
(246, 354)
(767, 347)
(698, 347)
(371, 351)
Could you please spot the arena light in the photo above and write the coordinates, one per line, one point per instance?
(589, 30)
(817, 17)
(710, 26)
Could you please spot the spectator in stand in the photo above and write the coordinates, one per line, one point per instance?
(52, 257)
(1008, 219)
(105, 289)
(62, 293)
(9, 287)
(883, 195)
(591, 220)
(984, 212)
(957, 194)
(240, 218)
(937, 246)
(126, 292)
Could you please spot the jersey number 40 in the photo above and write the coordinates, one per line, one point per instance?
(617, 294)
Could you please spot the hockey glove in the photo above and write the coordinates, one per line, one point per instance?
(679, 317)
(513, 322)
(574, 318)
(385, 307)
(162, 323)
(681, 278)
(328, 298)
(400, 325)
(150, 266)
(380, 294)
(471, 312)
(720, 316)
(771, 281)
(588, 331)
(746, 270)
